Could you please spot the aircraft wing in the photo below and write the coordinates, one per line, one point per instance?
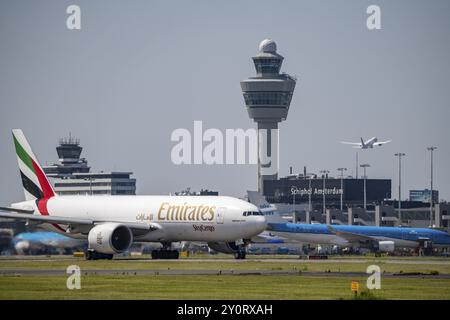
(9, 209)
(266, 237)
(351, 237)
(28, 215)
(352, 143)
(381, 142)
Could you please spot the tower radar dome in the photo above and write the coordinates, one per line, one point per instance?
(268, 45)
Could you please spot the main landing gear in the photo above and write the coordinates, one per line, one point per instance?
(94, 255)
(165, 252)
(240, 255)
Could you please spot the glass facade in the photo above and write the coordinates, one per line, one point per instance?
(267, 65)
(97, 192)
(269, 98)
(95, 184)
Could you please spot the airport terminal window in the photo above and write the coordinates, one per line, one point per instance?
(84, 184)
(124, 184)
(101, 192)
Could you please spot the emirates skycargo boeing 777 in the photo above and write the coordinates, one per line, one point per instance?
(112, 223)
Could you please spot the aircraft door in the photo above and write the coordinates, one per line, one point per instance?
(219, 216)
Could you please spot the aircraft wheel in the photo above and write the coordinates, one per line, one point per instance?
(165, 254)
(89, 255)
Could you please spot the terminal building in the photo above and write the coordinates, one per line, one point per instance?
(100, 183)
(72, 176)
(301, 189)
(311, 198)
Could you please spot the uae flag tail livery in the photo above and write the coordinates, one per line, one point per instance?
(35, 183)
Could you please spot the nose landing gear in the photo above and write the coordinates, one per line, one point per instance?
(242, 249)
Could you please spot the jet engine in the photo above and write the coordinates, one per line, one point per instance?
(110, 238)
(386, 246)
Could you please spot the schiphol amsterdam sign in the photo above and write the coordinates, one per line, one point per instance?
(315, 191)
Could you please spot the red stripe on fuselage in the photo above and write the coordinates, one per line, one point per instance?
(47, 191)
(42, 207)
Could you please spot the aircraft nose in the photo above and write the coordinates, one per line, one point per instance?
(261, 223)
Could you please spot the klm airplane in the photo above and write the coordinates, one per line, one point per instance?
(385, 239)
(28, 242)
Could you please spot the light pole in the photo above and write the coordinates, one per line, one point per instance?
(400, 155)
(342, 184)
(324, 173)
(364, 166)
(309, 195)
(294, 217)
(431, 149)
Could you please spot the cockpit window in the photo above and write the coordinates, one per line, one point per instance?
(252, 213)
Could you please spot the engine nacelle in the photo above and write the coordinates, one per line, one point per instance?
(386, 246)
(224, 247)
(110, 238)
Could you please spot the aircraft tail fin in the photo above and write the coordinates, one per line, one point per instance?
(362, 142)
(269, 210)
(35, 183)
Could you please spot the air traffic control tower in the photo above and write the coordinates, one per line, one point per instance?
(267, 98)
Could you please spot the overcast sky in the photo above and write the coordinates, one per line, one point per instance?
(137, 70)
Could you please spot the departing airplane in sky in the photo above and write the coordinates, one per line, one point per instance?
(385, 239)
(369, 144)
(112, 223)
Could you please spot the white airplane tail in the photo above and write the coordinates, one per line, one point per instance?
(269, 210)
(34, 181)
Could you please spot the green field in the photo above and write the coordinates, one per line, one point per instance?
(359, 264)
(214, 287)
(301, 286)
